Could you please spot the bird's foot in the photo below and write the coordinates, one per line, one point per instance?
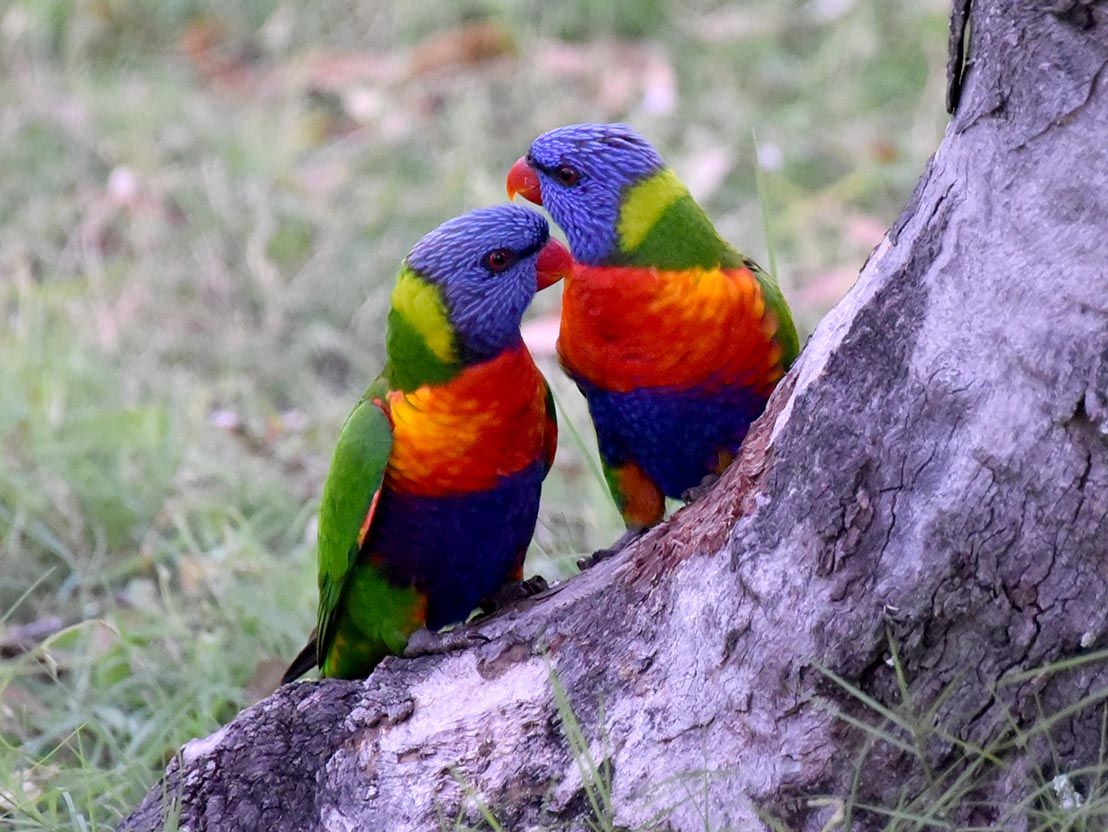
(691, 495)
(423, 642)
(625, 540)
(512, 592)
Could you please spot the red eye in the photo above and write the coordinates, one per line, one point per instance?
(567, 175)
(499, 259)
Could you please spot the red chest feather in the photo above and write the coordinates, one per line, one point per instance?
(625, 328)
(463, 436)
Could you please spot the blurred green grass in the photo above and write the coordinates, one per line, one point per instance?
(201, 209)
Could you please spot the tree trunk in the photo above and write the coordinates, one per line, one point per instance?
(919, 519)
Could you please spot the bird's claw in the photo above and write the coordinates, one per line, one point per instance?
(691, 495)
(423, 642)
(625, 540)
(510, 593)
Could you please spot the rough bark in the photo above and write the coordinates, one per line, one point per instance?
(933, 474)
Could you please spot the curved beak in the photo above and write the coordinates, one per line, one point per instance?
(523, 180)
(553, 263)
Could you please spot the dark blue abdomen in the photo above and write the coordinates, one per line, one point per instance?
(675, 436)
(457, 550)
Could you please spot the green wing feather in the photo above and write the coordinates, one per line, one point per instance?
(785, 336)
(353, 482)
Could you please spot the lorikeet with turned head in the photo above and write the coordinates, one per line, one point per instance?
(674, 337)
(433, 490)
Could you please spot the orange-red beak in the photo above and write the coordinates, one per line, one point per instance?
(554, 262)
(523, 180)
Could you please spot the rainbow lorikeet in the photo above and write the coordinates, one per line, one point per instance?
(674, 337)
(433, 490)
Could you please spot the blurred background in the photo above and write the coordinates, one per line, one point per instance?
(202, 206)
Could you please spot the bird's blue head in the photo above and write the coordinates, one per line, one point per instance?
(581, 174)
(465, 286)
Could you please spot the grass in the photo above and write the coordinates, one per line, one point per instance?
(201, 208)
(1059, 800)
(595, 777)
(1055, 799)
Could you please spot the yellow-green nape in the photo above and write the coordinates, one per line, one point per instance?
(643, 205)
(421, 306)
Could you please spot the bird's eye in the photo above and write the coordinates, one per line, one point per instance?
(499, 259)
(568, 175)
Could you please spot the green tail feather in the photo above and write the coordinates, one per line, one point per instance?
(304, 662)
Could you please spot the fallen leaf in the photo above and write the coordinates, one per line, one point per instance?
(471, 44)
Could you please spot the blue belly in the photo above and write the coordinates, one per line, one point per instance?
(456, 550)
(675, 436)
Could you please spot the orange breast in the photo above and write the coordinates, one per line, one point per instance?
(464, 435)
(625, 328)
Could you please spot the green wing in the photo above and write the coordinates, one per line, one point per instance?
(785, 336)
(349, 498)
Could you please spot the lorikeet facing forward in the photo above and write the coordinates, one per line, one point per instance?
(674, 337)
(433, 490)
